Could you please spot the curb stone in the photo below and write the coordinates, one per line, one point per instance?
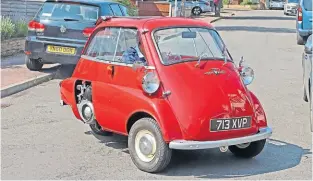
(20, 86)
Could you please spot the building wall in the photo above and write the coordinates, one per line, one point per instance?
(20, 9)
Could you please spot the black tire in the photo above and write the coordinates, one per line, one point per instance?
(252, 150)
(196, 11)
(305, 98)
(163, 153)
(97, 129)
(300, 39)
(33, 64)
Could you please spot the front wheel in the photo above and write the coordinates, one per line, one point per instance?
(148, 151)
(248, 150)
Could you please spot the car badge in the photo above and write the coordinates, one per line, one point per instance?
(63, 29)
(215, 71)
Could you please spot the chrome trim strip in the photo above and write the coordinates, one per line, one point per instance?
(60, 39)
(195, 145)
(113, 63)
(59, 43)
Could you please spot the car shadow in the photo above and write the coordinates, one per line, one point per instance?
(277, 155)
(64, 71)
(255, 29)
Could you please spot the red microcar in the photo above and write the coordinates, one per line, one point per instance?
(168, 84)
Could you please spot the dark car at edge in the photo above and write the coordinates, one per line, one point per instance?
(60, 29)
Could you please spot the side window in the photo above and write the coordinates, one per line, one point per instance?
(116, 10)
(106, 10)
(116, 45)
(124, 10)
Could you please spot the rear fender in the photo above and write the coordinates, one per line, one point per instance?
(67, 89)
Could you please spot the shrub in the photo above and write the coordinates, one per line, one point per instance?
(132, 9)
(21, 28)
(246, 2)
(7, 28)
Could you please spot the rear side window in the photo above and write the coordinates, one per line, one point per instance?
(116, 10)
(307, 4)
(67, 11)
(106, 10)
(124, 10)
(110, 44)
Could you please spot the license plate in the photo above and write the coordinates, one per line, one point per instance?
(230, 124)
(61, 50)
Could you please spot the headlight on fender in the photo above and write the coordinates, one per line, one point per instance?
(150, 83)
(247, 75)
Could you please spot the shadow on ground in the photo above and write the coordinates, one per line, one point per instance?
(261, 18)
(255, 29)
(276, 156)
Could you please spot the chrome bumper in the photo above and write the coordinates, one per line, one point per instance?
(264, 133)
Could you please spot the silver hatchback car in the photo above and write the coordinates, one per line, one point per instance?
(308, 75)
(196, 6)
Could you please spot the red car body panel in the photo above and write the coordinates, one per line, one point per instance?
(196, 97)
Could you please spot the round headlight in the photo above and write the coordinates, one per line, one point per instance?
(150, 83)
(247, 75)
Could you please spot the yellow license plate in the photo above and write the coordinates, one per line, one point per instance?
(62, 50)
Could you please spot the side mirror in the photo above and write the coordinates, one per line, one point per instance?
(137, 65)
(241, 62)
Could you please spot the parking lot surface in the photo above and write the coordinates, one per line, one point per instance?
(42, 140)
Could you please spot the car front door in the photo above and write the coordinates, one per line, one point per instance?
(117, 84)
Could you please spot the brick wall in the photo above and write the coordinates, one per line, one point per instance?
(12, 46)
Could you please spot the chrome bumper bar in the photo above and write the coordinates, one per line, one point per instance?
(263, 133)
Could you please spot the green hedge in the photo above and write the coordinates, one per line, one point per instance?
(11, 29)
(132, 9)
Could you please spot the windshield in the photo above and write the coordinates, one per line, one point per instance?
(307, 5)
(177, 45)
(66, 11)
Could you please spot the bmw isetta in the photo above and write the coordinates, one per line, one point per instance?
(168, 84)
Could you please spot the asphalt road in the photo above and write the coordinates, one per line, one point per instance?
(41, 140)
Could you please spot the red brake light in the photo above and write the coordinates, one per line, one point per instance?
(299, 14)
(87, 31)
(35, 26)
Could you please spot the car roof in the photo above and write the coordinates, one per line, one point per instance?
(92, 2)
(152, 22)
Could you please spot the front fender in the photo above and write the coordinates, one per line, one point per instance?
(260, 115)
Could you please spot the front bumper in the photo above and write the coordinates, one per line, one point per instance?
(263, 133)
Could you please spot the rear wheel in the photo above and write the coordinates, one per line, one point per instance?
(97, 129)
(148, 151)
(196, 11)
(248, 150)
(33, 64)
(300, 39)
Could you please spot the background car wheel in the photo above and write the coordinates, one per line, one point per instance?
(196, 11)
(33, 64)
(300, 39)
(97, 129)
(305, 98)
(148, 151)
(248, 150)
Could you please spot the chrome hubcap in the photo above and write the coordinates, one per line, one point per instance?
(145, 145)
(87, 112)
(243, 145)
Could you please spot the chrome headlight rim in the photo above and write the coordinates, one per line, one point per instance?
(150, 83)
(247, 75)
